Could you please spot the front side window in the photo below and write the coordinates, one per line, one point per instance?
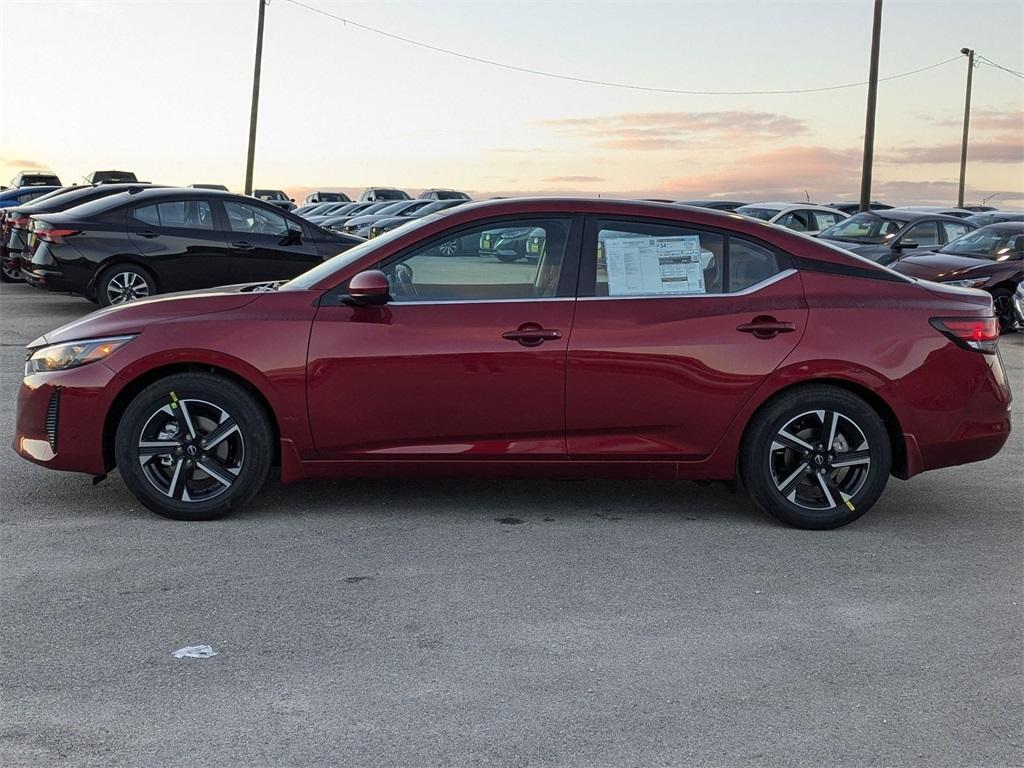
(864, 228)
(181, 214)
(520, 259)
(252, 219)
(924, 234)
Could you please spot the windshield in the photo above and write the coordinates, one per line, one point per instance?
(997, 246)
(337, 197)
(864, 228)
(307, 280)
(765, 214)
(269, 194)
(390, 194)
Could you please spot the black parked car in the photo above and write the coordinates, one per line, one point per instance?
(14, 229)
(148, 241)
(994, 217)
(882, 236)
(717, 205)
(275, 197)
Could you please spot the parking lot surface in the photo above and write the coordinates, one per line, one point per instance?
(389, 623)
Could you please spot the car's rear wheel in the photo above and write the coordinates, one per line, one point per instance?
(1002, 301)
(194, 446)
(816, 457)
(121, 283)
(9, 274)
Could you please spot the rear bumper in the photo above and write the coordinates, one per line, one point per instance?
(972, 427)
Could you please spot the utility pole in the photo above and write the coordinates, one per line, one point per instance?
(255, 100)
(869, 127)
(969, 53)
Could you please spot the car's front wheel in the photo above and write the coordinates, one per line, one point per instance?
(194, 446)
(816, 457)
(120, 283)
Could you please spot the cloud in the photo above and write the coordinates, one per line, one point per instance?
(21, 162)
(783, 173)
(983, 120)
(1009, 149)
(647, 131)
(572, 179)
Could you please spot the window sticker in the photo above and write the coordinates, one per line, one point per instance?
(642, 266)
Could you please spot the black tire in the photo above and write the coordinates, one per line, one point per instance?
(128, 280)
(174, 483)
(796, 485)
(1002, 300)
(10, 276)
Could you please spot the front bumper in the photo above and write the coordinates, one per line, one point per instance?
(61, 416)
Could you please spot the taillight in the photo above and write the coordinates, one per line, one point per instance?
(52, 234)
(17, 222)
(979, 334)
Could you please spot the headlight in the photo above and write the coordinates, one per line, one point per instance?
(975, 283)
(60, 357)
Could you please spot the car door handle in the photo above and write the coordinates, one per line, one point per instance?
(148, 235)
(532, 335)
(765, 327)
(241, 245)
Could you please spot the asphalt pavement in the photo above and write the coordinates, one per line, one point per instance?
(389, 623)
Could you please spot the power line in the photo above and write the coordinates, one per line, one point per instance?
(605, 83)
(991, 63)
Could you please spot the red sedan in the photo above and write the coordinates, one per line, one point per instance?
(643, 341)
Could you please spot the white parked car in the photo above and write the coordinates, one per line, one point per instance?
(800, 217)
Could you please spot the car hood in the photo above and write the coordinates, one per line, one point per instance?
(362, 221)
(135, 316)
(939, 266)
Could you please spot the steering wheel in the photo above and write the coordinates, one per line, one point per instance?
(402, 281)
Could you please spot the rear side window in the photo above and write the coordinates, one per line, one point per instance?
(798, 221)
(953, 231)
(181, 214)
(824, 219)
(656, 259)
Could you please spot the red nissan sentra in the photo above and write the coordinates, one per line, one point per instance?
(632, 340)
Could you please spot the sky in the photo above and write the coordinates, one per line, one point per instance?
(163, 89)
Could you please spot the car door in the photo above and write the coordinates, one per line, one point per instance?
(179, 242)
(265, 245)
(674, 329)
(466, 360)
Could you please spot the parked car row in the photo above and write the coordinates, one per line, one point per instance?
(115, 243)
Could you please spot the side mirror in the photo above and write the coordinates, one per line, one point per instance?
(294, 236)
(904, 245)
(368, 289)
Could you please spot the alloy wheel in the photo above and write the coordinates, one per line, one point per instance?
(448, 248)
(819, 460)
(126, 286)
(12, 273)
(191, 450)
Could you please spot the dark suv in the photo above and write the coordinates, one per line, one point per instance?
(275, 197)
(148, 241)
(36, 179)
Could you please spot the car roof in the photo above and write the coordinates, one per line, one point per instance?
(18, 191)
(909, 214)
(1004, 227)
(780, 207)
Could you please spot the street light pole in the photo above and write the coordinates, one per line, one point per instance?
(869, 127)
(969, 53)
(255, 100)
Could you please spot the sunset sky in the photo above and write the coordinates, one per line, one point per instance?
(163, 88)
